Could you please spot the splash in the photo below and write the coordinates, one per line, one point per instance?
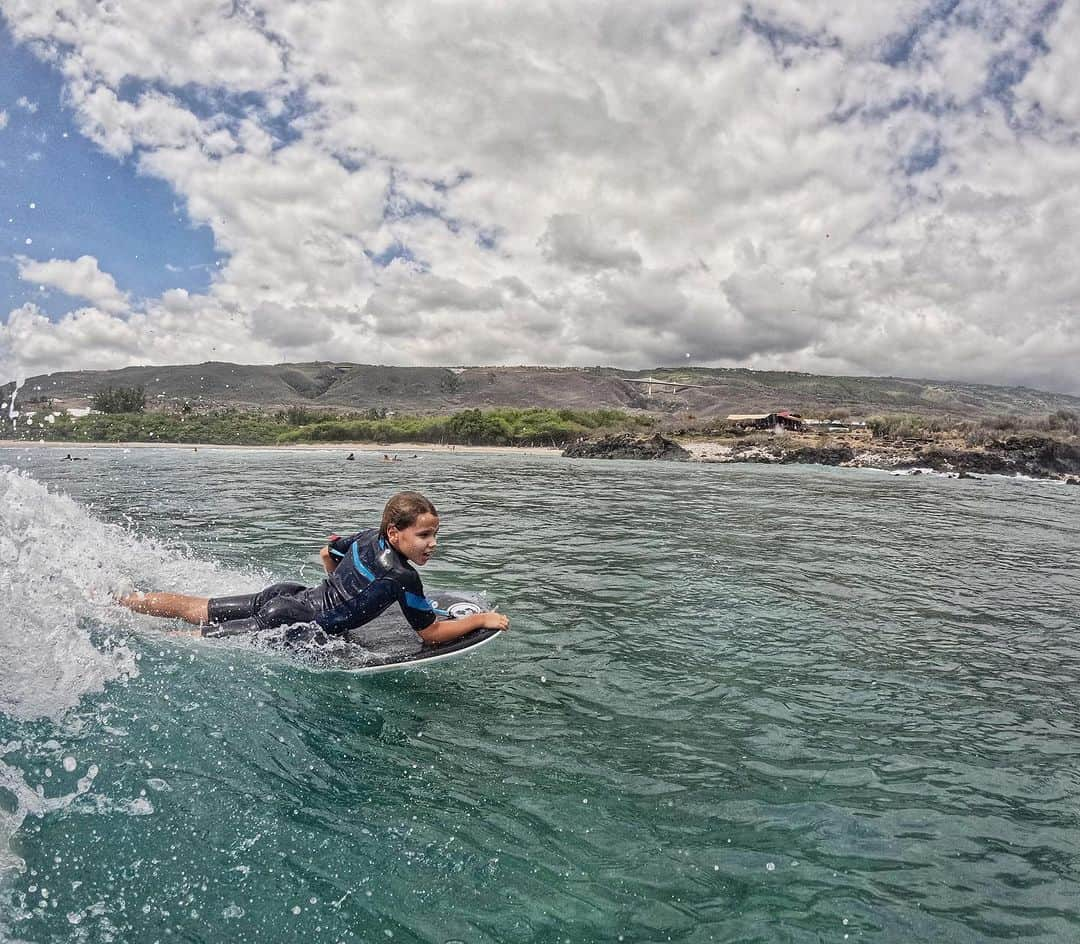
(62, 637)
(24, 801)
(57, 568)
(12, 413)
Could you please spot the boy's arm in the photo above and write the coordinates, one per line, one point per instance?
(449, 629)
(336, 548)
(329, 562)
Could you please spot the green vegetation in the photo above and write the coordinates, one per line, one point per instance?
(1060, 421)
(908, 426)
(504, 427)
(119, 400)
(224, 427)
(1061, 424)
(232, 427)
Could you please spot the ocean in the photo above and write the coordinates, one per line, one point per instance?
(736, 704)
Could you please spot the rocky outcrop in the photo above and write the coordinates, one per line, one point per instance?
(1036, 456)
(626, 446)
(819, 455)
(962, 460)
(1051, 455)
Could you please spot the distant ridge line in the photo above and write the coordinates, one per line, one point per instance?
(701, 392)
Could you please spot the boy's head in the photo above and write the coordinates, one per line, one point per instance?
(410, 523)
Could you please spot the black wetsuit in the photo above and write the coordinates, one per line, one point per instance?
(369, 577)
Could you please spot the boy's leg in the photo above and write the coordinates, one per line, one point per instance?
(171, 605)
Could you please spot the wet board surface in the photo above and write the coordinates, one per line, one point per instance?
(387, 643)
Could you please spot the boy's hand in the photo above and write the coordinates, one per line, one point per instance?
(495, 620)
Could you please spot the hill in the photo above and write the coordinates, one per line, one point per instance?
(702, 392)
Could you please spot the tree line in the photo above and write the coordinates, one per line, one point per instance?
(499, 427)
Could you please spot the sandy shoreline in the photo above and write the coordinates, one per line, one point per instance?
(395, 449)
(946, 458)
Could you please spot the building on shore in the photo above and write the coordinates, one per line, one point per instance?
(781, 419)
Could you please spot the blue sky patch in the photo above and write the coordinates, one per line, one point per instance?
(925, 156)
(898, 49)
(84, 202)
(781, 37)
(391, 254)
(487, 239)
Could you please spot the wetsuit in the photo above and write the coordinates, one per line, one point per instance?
(370, 576)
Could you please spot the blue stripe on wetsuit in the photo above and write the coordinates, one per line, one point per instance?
(364, 584)
(419, 603)
(359, 564)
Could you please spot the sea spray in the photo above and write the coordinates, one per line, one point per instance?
(60, 571)
(21, 800)
(64, 639)
(58, 567)
(10, 404)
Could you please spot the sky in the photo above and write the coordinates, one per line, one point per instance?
(882, 188)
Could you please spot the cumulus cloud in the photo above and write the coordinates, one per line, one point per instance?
(3, 119)
(1048, 88)
(79, 277)
(570, 240)
(882, 190)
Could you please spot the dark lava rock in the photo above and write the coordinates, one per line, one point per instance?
(1039, 455)
(626, 446)
(820, 455)
(963, 460)
(1058, 456)
(1036, 456)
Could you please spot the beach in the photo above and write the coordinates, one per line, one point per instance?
(401, 450)
(1032, 457)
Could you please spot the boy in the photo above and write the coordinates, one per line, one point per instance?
(366, 573)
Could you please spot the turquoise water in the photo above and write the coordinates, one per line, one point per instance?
(737, 703)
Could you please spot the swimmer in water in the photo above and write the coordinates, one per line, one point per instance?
(365, 573)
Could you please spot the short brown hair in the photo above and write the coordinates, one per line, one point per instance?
(403, 509)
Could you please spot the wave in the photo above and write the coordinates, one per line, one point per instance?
(62, 636)
(58, 568)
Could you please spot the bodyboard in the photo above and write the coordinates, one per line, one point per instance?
(388, 643)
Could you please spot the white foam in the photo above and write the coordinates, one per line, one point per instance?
(57, 567)
(62, 636)
(60, 568)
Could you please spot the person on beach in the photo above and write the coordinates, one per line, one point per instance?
(365, 573)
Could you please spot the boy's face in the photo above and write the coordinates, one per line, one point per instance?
(417, 541)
